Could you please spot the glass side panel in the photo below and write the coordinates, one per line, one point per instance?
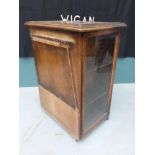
(98, 63)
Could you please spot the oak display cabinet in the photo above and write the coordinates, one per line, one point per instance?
(75, 65)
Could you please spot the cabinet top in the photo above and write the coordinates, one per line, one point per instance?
(76, 26)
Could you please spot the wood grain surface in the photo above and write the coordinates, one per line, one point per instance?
(75, 65)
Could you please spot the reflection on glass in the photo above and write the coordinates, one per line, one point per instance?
(98, 64)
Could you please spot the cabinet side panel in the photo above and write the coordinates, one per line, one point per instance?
(58, 63)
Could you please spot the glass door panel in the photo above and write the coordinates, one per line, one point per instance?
(98, 64)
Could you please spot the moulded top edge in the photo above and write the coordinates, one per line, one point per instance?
(76, 26)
